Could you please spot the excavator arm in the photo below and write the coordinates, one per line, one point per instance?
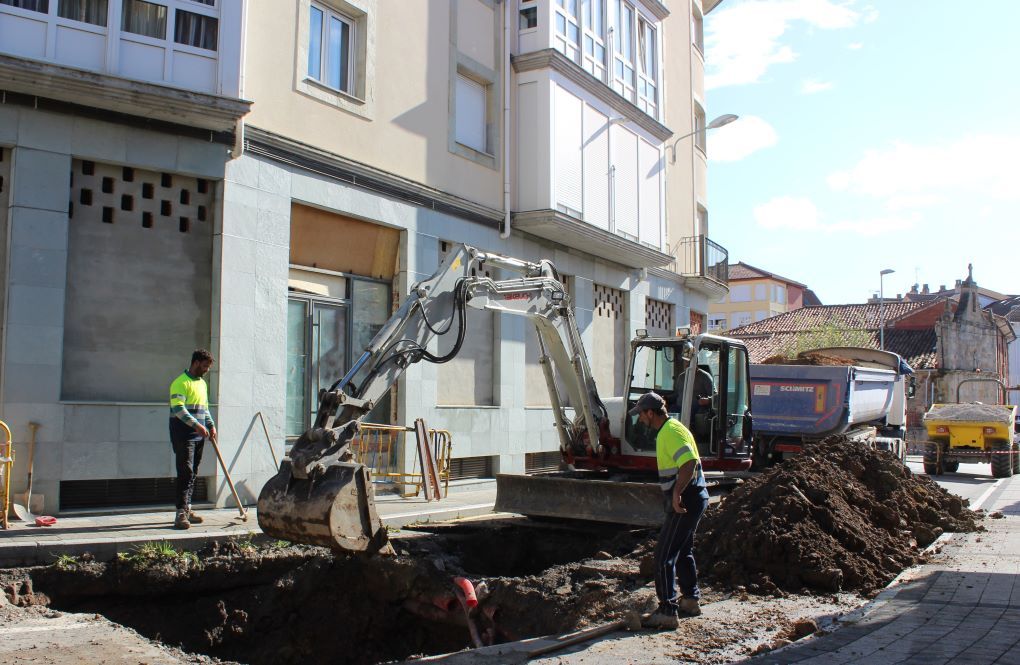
(320, 496)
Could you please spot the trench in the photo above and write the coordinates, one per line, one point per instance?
(290, 604)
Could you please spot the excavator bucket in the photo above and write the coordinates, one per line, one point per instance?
(335, 509)
(638, 504)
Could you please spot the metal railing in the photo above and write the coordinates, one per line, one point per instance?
(378, 448)
(697, 256)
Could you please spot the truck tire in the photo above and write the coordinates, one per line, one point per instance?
(1002, 464)
(1016, 459)
(930, 465)
(951, 467)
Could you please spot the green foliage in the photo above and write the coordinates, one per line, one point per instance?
(158, 552)
(829, 334)
(281, 544)
(66, 562)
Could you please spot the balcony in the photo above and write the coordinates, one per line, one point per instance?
(703, 264)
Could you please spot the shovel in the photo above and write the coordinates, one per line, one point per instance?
(20, 511)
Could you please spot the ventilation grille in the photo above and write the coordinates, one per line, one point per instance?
(608, 302)
(75, 494)
(124, 195)
(658, 317)
(470, 467)
(542, 462)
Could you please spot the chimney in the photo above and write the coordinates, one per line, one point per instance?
(942, 287)
(958, 283)
(913, 289)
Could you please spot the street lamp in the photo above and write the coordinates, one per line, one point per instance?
(724, 119)
(881, 307)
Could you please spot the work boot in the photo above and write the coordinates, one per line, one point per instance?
(182, 520)
(665, 619)
(194, 517)
(689, 607)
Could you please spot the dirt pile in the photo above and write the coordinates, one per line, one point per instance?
(810, 358)
(840, 516)
(975, 412)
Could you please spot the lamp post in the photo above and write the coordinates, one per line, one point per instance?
(881, 307)
(724, 119)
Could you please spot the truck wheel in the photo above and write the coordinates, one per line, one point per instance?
(1002, 462)
(930, 465)
(1016, 458)
(951, 467)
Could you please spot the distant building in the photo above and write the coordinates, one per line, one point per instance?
(1009, 309)
(945, 341)
(756, 294)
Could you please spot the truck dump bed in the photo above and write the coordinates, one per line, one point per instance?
(817, 401)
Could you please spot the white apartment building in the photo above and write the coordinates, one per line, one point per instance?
(379, 133)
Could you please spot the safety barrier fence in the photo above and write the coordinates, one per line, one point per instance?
(378, 446)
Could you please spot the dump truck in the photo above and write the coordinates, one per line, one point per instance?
(863, 398)
(972, 433)
(321, 496)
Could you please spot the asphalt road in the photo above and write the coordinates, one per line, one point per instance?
(970, 482)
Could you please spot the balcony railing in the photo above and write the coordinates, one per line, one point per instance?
(697, 256)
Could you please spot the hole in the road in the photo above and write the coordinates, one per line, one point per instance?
(303, 605)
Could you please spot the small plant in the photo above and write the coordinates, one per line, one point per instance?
(157, 552)
(66, 562)
(281, 544)
(245, 544)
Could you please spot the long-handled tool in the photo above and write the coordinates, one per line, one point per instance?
(223, 465)
(23, 512)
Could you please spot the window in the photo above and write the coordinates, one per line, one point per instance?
(702, 216)
(741, 319)
(42, 6)
(144, 18)
(86, 11)
(470, 114)
(331, 49)
(568, 31)
(759, 315)
(593, 12)
(740, 293)
(717, 323)
(699, 127)
(779, 294)
(647, 84)
(528, 18)
(698, 29)
(761, 292)
(195, 30)
(623, 48)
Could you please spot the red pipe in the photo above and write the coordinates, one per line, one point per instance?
(468, 590)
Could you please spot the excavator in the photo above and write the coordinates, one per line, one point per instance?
(320, 496)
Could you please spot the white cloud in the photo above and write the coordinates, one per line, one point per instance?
(908, 202)
(800, 214)
(855, 46)
(740, 139)
(978, 166)
(745, 39)
(810, 86)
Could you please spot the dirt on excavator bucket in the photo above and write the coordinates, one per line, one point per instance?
(335, 509)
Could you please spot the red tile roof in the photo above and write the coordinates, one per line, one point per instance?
(741, 270)
(778, 334)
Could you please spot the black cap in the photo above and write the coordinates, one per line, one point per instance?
(649, 402)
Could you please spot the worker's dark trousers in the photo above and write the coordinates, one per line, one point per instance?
(188, 454)
(674, 553)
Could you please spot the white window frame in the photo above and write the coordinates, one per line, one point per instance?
(482, 146)
(700, 128)
(324, 73)
(624, 38)
(595, 19)
(740, 293)
(647, 54)
(717, 322)
(567, 21)
(697, 29)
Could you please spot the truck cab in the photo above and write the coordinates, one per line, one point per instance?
(705, 381)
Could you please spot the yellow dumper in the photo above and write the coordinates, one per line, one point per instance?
(971, 433)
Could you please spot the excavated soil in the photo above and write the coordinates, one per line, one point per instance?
(809, 358)
(975, 412)
(295, 604)
(840, 516)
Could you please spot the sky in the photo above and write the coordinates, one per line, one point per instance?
(880, 134)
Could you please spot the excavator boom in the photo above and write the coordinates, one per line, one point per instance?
(320, 495)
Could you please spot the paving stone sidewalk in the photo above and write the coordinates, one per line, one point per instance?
(103, 536)
(961, 608)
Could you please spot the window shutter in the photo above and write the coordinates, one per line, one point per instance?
(626, 185)
(569, 180)
(470, 112)
(596, 168)
(649, 171)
